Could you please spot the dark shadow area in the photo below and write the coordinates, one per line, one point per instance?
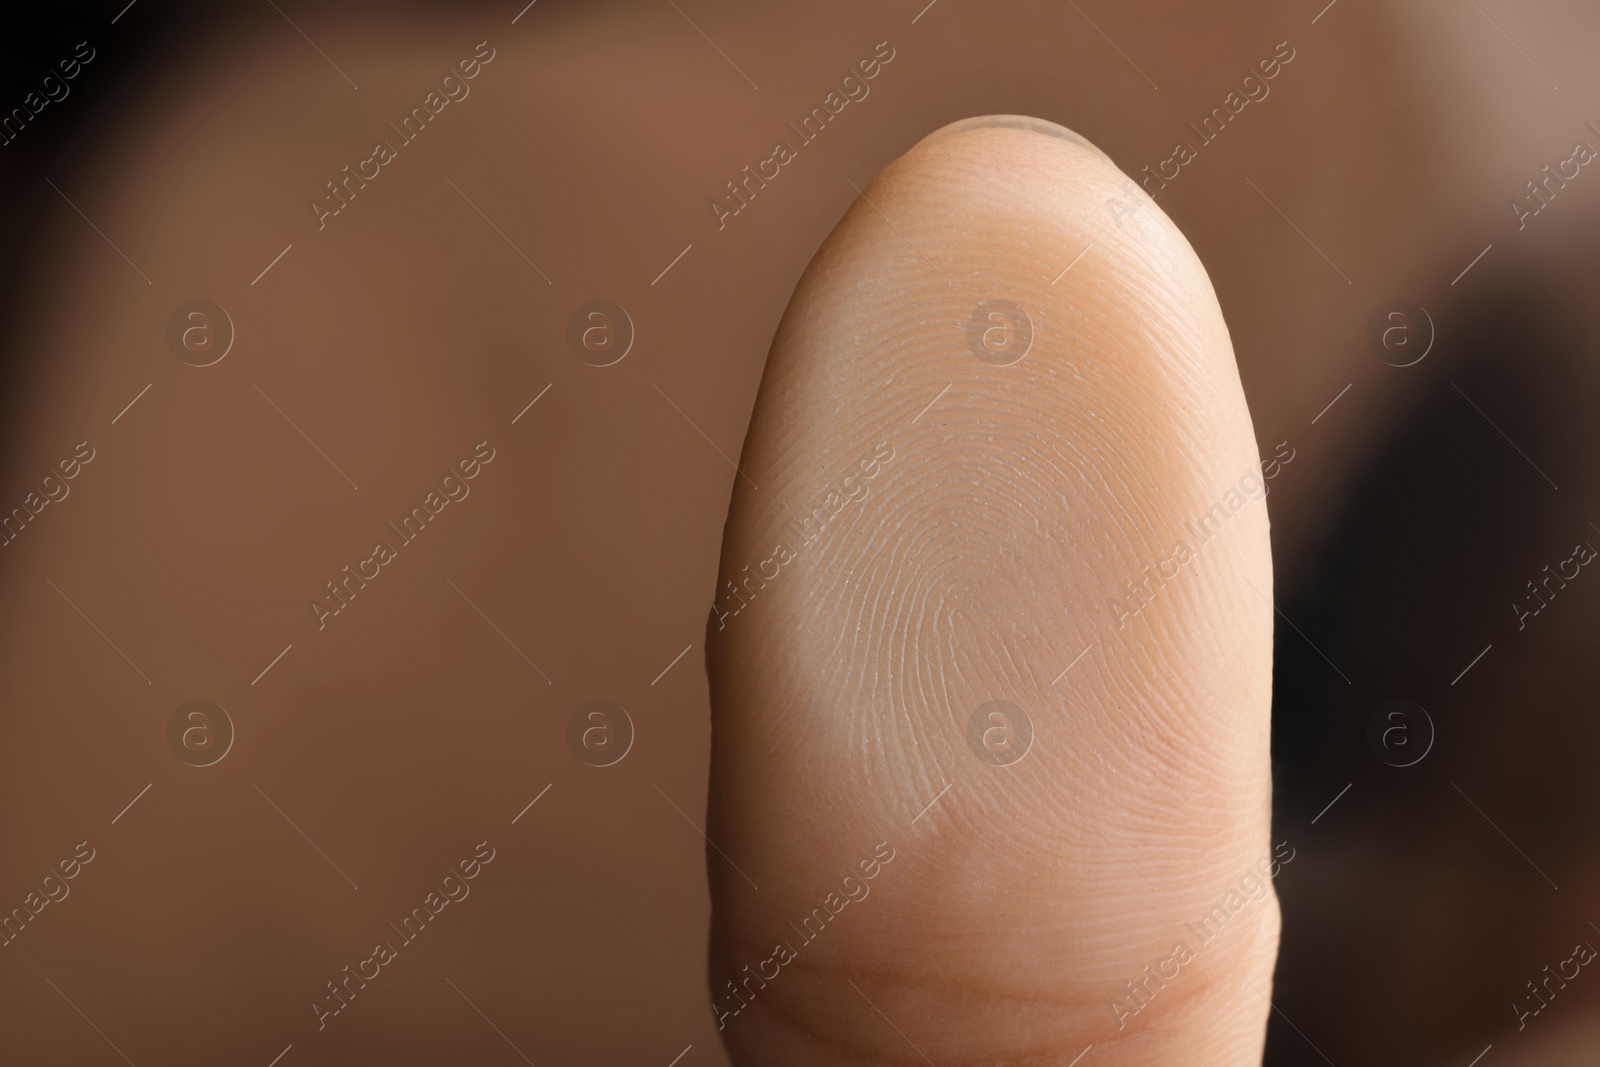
(1405, 913)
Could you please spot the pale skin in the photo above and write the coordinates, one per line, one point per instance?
(970, 571)
(954, 530)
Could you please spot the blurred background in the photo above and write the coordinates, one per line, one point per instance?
(1401, 226)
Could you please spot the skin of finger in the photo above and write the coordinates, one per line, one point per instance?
(933, 532)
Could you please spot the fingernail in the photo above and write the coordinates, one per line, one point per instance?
(1019, 122)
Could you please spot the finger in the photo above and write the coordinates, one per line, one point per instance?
(990, 662)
